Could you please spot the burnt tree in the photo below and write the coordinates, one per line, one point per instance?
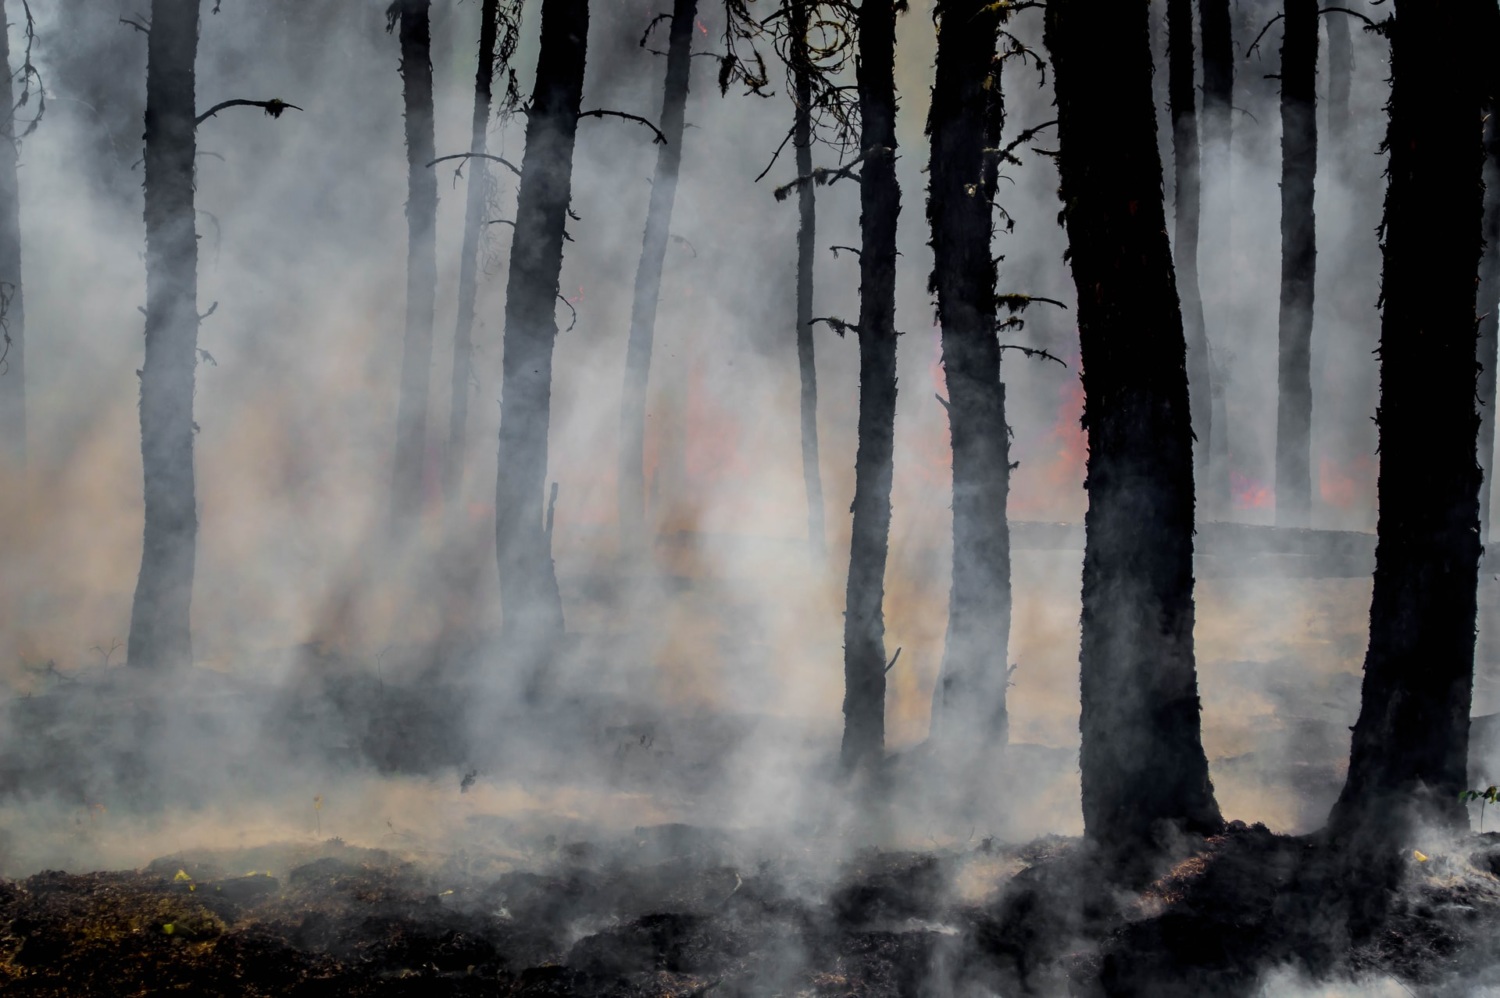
(798, 15)
(869, 544)
(159, 630)
(1299, 167)
(1409, 752)
(1216, 36)
(1142, 758)
(12, 306)
(648, 274)
(1489, 278)
(468, 265)
(415, 34)
(1182, 99)
(964, 123)
(523, 546)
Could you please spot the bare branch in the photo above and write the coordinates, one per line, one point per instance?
(661, 139)
(273, 107)
(837, 325)
(823, 176)
(570, 309)
(835, 250)
(892, 663)
(1034, 353)
(1253, 45)
(1351, 13)
(478, 155)
(137, 25)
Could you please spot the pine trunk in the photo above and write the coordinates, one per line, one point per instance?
(421, 261)
(1489, 280)
(1216, 33)
(12, 306)
(1143, 766)
(966, 116)
(880, 205)
(1409, 752)
(159, 614)
(807, 370)
(633, 529)
(1299, 167)
(468, 266)
(528, 579)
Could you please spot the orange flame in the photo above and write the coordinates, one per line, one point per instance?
(1250, 493)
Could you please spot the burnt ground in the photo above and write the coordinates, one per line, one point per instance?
(659, 913)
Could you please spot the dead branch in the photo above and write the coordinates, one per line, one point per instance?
(137, 25)
(570, 309)
(892, 663)
(501, 221)
(211, 310)
(650, 27)
(479, 155)
(1007, 154)
(824, 176)
(837, 325)
(1018, 302)
(1036, 353)
(683, 239)
(776, 155)
(1351, 13)
(661, 139)
(943, 402)
(273, 107)
(551, 510)
(1256, 43)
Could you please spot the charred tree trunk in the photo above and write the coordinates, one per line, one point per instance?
(1182, 96)
(880, 205)
(159, 614)
(1142, 754)
(528, 579)
(1299, 167)
(965, 119)
(1217, 36)
(12, 306)
(633, 530)
(807, 369)
(421, 259)
(1340, 79)
(1489, 280)
(468, 266)
(1409, 753)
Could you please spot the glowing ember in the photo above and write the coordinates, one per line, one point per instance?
(1347, 484)
(1250, 493)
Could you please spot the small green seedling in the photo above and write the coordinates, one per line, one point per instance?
(1487, 796)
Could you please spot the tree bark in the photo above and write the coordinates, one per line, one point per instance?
(1489, 279)
(1217, 37)
(633, 529)
(880, 205)
(13, 311)
(159, 614)
(1142, 759)
(468, 267)
(966, 117)
(807, 369)
(1409, 752)
(421, 260)
(528, 579)
(1299, 167)
(1182, 97)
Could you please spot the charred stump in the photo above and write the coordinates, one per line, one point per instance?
(1409, 751)
(880, 205)
(1144, 771)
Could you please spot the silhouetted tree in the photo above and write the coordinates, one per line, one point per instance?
(1489, 278)
(964, 122)
(468, 266)
(528, 578)
(12, 306)
(633, 532)
(415, 33)
(1182, 98)
(1409, 752)
(1216, 34)
(1142, 757)
(1299, 166)
(798, 12)
(880, 205)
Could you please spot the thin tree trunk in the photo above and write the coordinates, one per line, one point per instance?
(1142, 756)
(1299, 167)
(13, 313)
(1409, 752)
(468, 266)
(1217, 36)
(967, 114)
(523, 546)
(421, 260)
(159, 614)
(880, 205)
(1182, 96)
(633, 530)
(807, 369)
(1340, 79)
(1489, 282)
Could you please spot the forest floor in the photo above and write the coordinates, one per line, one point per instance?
(668, 911)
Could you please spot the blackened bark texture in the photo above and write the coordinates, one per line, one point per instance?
(1409, 751)
(807, 227)
(1489, 273)
(415, 34)
(967, 105)
(633, 529)
(159, 614)
(528, 579)
(1216, 34)
(1142, 755)
(1182, 98)
(1299, 167)
(1340, 78)
(468, 265)
(880, 205)
(13, 317)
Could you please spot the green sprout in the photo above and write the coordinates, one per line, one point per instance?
(1487, 796)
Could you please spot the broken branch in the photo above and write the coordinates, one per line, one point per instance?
(272, 107)
(479, 155)
(661, 139)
